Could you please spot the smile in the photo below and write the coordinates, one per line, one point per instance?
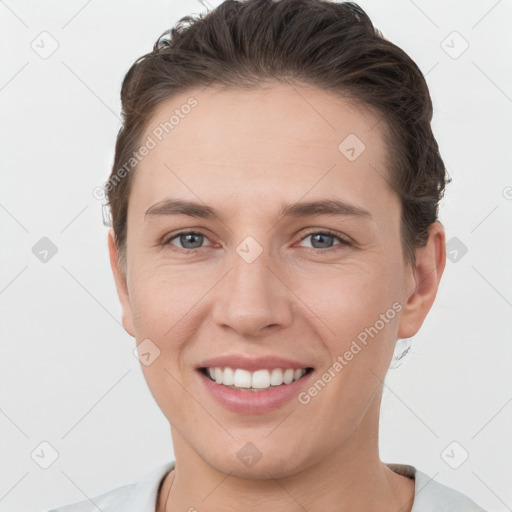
(238, 378)
(275, 387)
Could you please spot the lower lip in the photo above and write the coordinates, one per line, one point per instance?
(254, 402)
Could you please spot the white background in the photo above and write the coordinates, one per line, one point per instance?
(67, 372)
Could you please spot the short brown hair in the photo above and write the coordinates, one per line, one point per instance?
(333, 46)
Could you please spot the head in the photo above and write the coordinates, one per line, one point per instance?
(246, 111)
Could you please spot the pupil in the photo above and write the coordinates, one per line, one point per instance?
(321, 236)
(186, 238)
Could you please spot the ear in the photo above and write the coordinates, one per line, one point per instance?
(121, 284)
(422, 281)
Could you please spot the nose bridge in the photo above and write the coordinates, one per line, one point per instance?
(251, 296)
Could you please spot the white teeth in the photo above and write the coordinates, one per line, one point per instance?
(276, 377)
(228, 377)
(242, 378)
(288, 376)
(260, 379)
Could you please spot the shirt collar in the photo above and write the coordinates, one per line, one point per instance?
(143, 495)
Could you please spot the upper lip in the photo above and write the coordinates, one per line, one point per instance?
(252, 363)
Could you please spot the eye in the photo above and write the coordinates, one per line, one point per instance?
(189, 240)
(322, 240)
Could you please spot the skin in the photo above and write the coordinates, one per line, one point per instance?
(245, 153)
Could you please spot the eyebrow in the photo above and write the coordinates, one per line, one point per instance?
(297, 210)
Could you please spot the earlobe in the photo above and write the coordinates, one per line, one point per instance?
(423, 281)
(121, 284)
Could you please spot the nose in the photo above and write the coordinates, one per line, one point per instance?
(253, 298)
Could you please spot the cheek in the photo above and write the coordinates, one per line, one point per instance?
(161, 297)
(165, 304)
(350, 304)
(162, 307)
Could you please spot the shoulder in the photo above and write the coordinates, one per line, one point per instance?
(106, 502)
(137, 497)
(432, 496)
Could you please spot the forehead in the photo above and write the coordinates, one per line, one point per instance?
(216, 143)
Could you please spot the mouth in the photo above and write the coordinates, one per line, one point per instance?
(256, 381)
(256, 384)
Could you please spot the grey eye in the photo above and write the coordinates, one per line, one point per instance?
(189, 240)
(194, 239)
(321, 240)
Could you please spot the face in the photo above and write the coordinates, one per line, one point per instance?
(250, 273)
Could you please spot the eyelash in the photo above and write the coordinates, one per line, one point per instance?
(343, 241)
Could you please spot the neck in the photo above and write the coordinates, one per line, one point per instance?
(352, 477)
